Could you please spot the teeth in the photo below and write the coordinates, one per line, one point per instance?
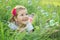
(24, 20)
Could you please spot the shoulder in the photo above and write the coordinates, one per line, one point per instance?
(12, 26)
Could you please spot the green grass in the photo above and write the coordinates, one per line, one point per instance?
(46, 20)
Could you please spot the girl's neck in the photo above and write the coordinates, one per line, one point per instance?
(22, 25)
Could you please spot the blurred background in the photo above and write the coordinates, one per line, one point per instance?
(46, 19)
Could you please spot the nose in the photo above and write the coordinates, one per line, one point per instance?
(26, 16)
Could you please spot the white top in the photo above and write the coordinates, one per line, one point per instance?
(13, 26)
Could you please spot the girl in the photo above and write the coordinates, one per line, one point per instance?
(19, 20)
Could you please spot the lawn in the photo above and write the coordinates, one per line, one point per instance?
(46, 20)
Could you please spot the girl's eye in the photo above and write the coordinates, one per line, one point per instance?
(21, 15)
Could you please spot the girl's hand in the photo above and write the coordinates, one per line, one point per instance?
(23, 29)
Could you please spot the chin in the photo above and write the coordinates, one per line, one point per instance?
(24, 22)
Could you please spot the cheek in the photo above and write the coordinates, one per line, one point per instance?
(27, 18)
(19, 18)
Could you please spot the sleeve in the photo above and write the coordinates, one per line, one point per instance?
(29, 27)
(12, 26)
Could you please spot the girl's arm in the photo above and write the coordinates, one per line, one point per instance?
(22, 29)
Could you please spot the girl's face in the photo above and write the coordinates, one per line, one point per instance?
(22, 17)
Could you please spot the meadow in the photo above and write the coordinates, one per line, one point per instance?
(46, 20)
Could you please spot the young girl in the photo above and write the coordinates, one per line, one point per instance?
(19, 20)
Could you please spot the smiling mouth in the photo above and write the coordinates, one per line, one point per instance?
(24, 20)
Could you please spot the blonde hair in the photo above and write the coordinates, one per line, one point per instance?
(18, 8)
